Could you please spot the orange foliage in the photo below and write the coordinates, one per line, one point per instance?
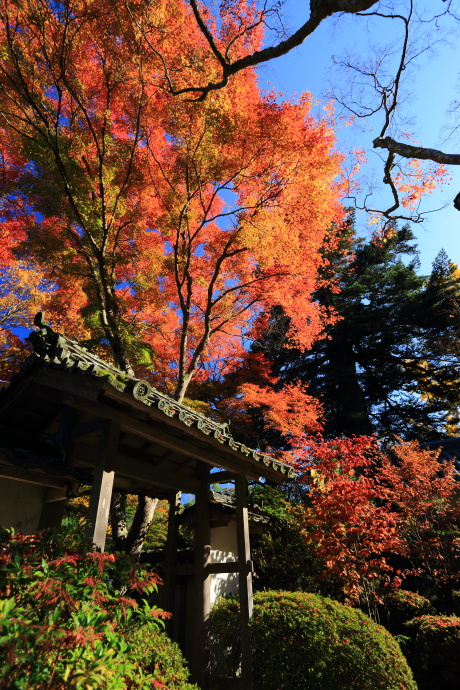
(417, 178)
(22, 292)
(12, 353)
(424, 499)
(290, 410)
(365, 506)
(416, 483)
(351, 532)
(171, 226)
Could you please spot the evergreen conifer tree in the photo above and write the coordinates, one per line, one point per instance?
(389, 365)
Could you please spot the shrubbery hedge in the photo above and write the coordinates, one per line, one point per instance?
(401, 606)
(433, 651)
(304, 641)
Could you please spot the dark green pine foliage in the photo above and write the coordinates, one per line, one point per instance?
(390, 365)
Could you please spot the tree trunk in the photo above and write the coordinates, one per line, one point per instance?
(351, 412)
(140, 526)
(117, 520)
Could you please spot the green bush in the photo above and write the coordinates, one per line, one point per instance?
(433, 651)
(400, 606)
(61, 617)
(302, 640)
(159, 656)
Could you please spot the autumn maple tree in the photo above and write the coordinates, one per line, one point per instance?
(372, 517)
(233, 42)
(231, 52)
(352, 530)
(422, 493)
(232, 45)
(364, 508)
(22, 284)
(170, 224)
(163, 230)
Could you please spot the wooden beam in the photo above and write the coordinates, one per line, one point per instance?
(101, 490)
(53, 507)
(54, 494)
(221, 477)
(67, 421)
(164, 457)
(31, 477)
(246, 465)
(222, 568)
(17, 391)
(86, 428)
(202, 579)
(60, 379)
(244, 577)
(52, 514)
(126, 465)
(217, 456)
(145, 456)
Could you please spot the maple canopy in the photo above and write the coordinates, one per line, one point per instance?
(170, 226)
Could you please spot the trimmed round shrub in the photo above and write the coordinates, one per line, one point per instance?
(433, 651)
(302, 641)
(161, 658)
(400, 606)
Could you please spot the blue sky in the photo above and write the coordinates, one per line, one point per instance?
(430, 90)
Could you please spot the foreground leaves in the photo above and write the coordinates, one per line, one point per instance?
(61, 614)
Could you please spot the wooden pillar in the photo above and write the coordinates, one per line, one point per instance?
(169, 588)
(101, 490)
(202, 579)
(244, 578)
(53, 507)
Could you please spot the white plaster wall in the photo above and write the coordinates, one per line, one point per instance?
(223, 550)
(20, 505)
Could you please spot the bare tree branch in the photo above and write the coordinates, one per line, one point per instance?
(319, 10)
(419, 152)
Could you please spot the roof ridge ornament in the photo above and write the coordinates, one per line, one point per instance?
(44, 341)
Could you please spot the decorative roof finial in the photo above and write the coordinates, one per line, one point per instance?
(39, 320)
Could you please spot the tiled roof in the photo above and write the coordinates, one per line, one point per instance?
(222, 503)
(226, 501)
(55, 350)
